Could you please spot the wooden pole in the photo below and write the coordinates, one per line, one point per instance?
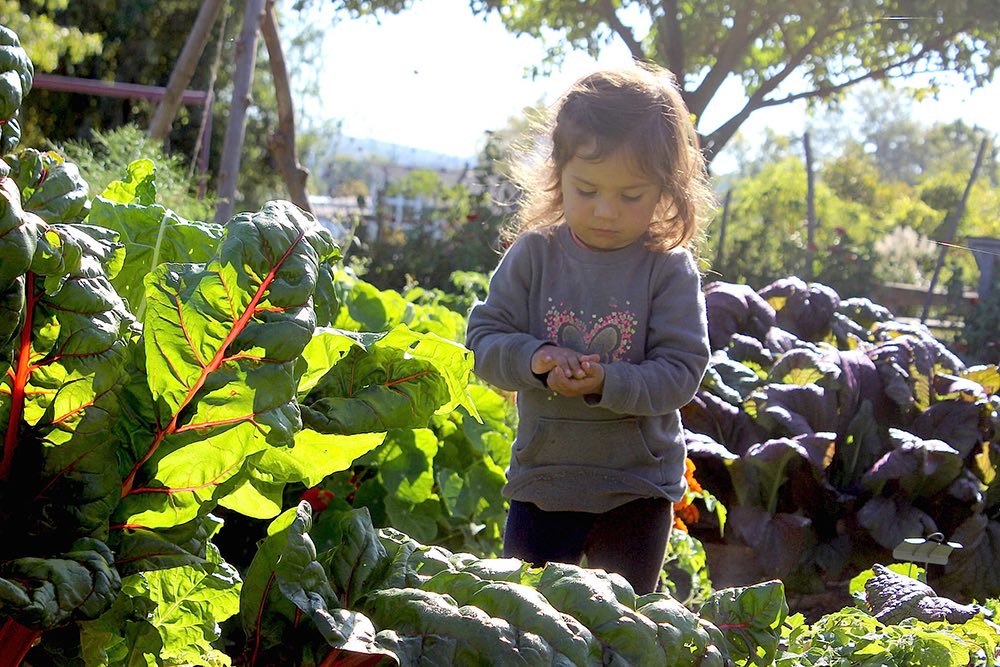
(952, 228)
(282, 142)
(810, 209)
(203, 144)
(720, 249)
(184, 69)
(246, 60)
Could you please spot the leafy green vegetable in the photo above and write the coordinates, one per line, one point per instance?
(427, 604)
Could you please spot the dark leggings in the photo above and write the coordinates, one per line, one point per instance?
(630, 539)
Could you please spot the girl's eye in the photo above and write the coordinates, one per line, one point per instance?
(632, 198)
(586, 193)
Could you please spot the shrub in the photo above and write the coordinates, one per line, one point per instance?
(108, 154)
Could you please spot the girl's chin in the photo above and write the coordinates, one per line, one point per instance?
(604, 240)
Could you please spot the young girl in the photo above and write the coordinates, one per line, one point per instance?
(595, 317)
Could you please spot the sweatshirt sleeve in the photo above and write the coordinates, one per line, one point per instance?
(677, 347)
(497, 328)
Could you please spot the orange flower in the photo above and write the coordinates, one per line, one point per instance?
(689, 476)
(688, 513)
(684, 511)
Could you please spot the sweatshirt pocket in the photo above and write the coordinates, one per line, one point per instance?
(618, 444)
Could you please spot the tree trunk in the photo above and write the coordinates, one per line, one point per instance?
(282, 142)
(246, 60)
(202, 150)
(810, 209)
(184, 69)
(952, 228)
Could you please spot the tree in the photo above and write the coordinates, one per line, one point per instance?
(139, 43)
(822, 47)
(45, 41)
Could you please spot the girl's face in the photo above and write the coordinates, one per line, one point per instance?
(607, 203)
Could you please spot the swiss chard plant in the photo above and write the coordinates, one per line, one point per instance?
(152, 375)
(438, 476)
(343, 589)
(833, 431)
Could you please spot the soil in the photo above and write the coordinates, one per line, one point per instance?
(816, 605)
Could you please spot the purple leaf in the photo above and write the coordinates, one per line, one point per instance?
(734, 309)
(782, 540)
(972, 571)
(955, 422)
(724, 422)
(793, 410)
(806, 310)
(892, 520)
(921, 467)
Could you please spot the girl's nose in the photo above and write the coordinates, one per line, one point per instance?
(605, 209)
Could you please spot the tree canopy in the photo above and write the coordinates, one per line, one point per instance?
(781, 50)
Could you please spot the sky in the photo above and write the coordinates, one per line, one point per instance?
(435, 77)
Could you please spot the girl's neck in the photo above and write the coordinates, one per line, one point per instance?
(577, 240)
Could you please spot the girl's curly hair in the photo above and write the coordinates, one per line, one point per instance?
(638, 110)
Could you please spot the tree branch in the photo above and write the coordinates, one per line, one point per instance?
(827, 91)
(733, 48)
(282, 142)
(620, 29)
(671, 40)
(714, 141)
(793, 61)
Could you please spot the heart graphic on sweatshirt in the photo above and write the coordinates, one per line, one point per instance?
(609, 336)
(602, 340)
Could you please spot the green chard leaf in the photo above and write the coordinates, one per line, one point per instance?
(14, 61)
(143, 549)
(46, 592)
(57, 394)
(169, 616)
(286, 580)
(351, 553)
(51, 187)
(750, 619)
(152, 234)
(221, 341)
(397, 380)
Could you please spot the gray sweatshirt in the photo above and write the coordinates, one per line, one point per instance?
(644, 313)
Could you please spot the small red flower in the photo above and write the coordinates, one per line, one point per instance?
(318, 498)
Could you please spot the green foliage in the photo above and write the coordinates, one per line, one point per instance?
(458, 229)
(822, 45)
(774, 200)
(139, 43)
(128, 433)
(16, 77)
(47, 41)
(438, 476)
(870, 227)
(383, 593)
(107, 155)
(851, 636)
(906, 257)
(979, 336)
